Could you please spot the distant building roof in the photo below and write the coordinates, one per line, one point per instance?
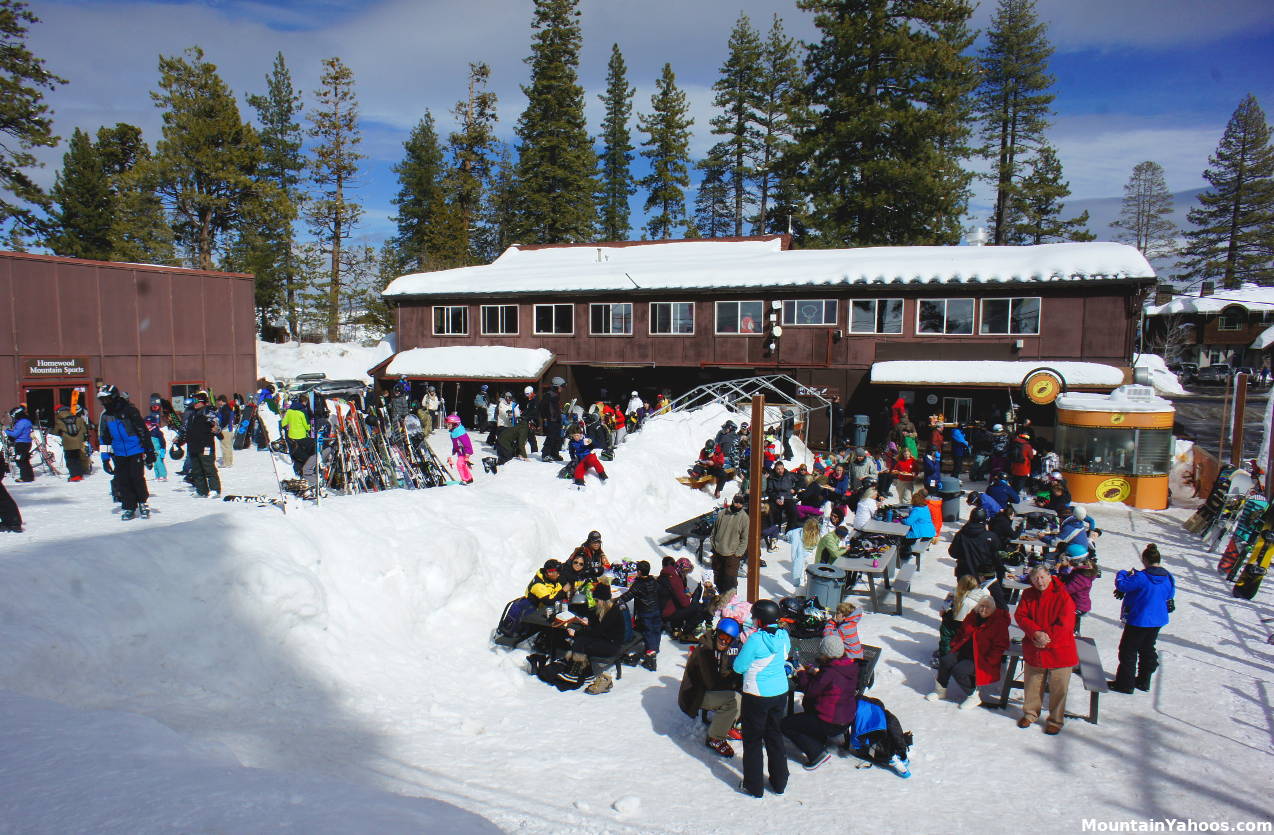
(1249, 296)
(764, 262)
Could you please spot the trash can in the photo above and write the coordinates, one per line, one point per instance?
(951, 495)
(861, 424)
(827, 583)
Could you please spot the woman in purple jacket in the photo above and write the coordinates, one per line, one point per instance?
(831, 699)
(1078, 577)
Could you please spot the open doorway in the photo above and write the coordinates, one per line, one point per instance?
(42, 400)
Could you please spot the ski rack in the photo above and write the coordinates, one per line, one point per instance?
(779, 389)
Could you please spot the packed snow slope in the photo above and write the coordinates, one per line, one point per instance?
(227, 667)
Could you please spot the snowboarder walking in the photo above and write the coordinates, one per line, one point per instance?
(73, 430)
(124, 444)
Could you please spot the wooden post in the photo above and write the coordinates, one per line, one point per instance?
(754, 497)
(1225, 412)
(1236, 422)
(1269, 461)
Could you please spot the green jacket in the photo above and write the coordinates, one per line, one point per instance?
(829, 549)
(296, 424)
(730, 536)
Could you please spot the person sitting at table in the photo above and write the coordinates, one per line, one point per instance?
(574, 575)
(596, 562)
(960, 602)
(829, 703)
(862, 466)
(777, 516)
(710, 683)
(919, 522)
(1059, 498)
(1071, 538)
(1000, 490)
(809, 502)
(1077, 574)
(831, 546)
(987, 502)
(682, 613)
(803, 541)
(601, 631)
(867, 507)
(644, 592)
(976, 550)
(844, 625)
(977, 653)
(546, 587)
(839, 484)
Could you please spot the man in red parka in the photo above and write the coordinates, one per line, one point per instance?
(1047, 616)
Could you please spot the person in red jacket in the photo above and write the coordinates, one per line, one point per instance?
(977, 653)
(1021, 458)
(681, 612)
(1047, 616)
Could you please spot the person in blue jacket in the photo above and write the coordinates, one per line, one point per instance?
(20, 434)
(1003, 492)
(959, 450)
(126, 450)
(1148, 598)
(762, 663)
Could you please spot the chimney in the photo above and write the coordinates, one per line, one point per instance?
(1163, 295)
(1207, 288)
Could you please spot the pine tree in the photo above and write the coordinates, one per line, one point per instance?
(205, 165)
(1232, 234)
(667, 147)
(778, 86)
(81, 220)
(25, 121)
(878, 142)
(616, 180)
(497, 230)
(332, 213)
(271, 255)
(422, 217)
(738, 99)
(1041, 198)
(1145, 212)
(470, 149)
(139, 228)
(714, 201)
(1013, 102)
(555, 190)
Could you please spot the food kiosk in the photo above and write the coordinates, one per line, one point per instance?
(1116, 447)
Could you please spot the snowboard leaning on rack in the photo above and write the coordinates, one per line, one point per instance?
(1204, 516)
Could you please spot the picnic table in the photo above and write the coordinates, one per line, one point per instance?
(807, 652)
(1014, 587)
(883, 569)
(698, 528)
(1090, 671)
(875, 526)
(1027, 508)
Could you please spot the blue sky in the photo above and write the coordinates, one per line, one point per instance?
(1136, 79)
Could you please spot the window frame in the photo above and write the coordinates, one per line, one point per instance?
(632, 323)
(1238, 312)
(434, 317)
(1039, 315)
(482, 320)
(822, 303)
(650, 321)
(902, 317)
(973, 325)
(535, 324)
(716, 318)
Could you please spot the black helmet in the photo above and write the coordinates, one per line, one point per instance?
(766, 612)
(978, 515)
(711, 443)
(974, 498)
(107, 391)
(729, 426)
(17, 412)
(176, 453)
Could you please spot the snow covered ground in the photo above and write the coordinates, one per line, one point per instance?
(226, 667)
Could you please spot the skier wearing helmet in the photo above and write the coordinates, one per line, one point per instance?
(762, 662)
(710, 683)
(19, 433)
(124, 442)
(461, 447)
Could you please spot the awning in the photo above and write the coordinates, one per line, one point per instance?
(1265, 340)
(467, 362)
(992, 373)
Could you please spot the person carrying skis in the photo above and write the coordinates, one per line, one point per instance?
(201, 431)
(19, 433)
(124, 444)
(585, 457)
(461, 447)
(72, 429)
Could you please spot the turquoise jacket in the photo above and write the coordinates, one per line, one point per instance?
(761, 661)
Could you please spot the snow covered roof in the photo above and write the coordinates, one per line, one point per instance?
(1249, 296)
(991, 373)
(763, 262)
(1123, 399)
(470, 362)
(1265, 340)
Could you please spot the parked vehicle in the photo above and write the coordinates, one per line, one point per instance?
(1214, 375)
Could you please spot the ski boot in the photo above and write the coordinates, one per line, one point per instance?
(649, 661)
(127, 515)
(490, 465)
(143, 510)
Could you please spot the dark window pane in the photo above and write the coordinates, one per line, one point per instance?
(889, 313)
(563, 320)
(1026, 316)
(932, 316)
(685, 317)
(995, 316)
(862, 316)
(959, 315)
(829, 312)
(544, 318)
(727, 317)
(660, 317)
(598, 314)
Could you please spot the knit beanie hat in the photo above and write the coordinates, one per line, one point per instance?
(831, 647)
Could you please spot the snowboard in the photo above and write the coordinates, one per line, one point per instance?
(257, 500)
(1245, 529)
(1257, 565)
(1212, 506)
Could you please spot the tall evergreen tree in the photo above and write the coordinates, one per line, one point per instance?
(422, 217)
(25, 121)
(555, 157)
(714, 201)
(498, 228)
(1232, 234)
(1042, 195)
(205, 165)
(332, 213)
(139, 228)
(616, 180)
(470, 148)
(1013, 102)
(880, 152)
(272, 255)
(738, 99)
(778, 85)
(1145, 211)
(81, 218)
(667, 147)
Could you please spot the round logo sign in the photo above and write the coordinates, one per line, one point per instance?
(1117, 419)
(1042, 387)
(1114, 490)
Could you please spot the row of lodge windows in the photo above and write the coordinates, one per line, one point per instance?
(953, 317)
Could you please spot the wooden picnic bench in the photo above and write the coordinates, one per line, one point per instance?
(600, 664)
(1090, 670)
(698, 528)
(901, 584)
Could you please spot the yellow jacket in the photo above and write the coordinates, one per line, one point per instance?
(543, 589)
(296, 424)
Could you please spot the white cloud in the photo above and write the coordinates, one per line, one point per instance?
(1082, 24)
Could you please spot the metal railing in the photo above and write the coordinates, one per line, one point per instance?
(778, 389)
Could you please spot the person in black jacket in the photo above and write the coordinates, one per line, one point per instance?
(550, 406)
(124, 444)
(781, 482)
(603, 636)
(10, 516)
(644, 592)
(200, 433)
(977, 550)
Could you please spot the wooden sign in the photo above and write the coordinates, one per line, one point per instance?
(55, 366)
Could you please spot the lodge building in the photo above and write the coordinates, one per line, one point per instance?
(957, 329)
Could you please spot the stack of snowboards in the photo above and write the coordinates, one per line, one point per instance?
(1246, 526)
(1211, 508)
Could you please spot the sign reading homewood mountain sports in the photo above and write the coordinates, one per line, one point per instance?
(56, 366)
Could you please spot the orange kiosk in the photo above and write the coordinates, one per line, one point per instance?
(1116, 447)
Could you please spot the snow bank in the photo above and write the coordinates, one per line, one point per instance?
(1164, 381)
(339, 360)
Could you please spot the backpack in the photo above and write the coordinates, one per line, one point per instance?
(1017, 453)
(559, 674)
(887, 743)
(511, 621)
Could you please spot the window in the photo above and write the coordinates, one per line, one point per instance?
(957, 410)
(1011, 316)
(673, 318)
(610, 319)
(556, 319)
(1232, 319)
(809, 312)
(875, 316)
(739, 317)
(499, 319)
(451, 320)
(180, 391)
(1114, 451)
(951, 316)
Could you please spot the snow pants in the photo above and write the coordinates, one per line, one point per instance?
(227, 448)
(203, 472)
(651, 626)
(810, 733)
(725, 707)
(76, 465)
(585, 463)
(958, 665)
(552, 440)
(1137, 657)
(130, 480)
(22, 451)
(762, 740)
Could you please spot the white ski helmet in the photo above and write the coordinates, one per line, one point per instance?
(528, 390)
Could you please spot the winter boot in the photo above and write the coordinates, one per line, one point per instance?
(127, 515)
(722, 747)
(972, 700)
(143, 510)
(939, 693)
(648, 660)
(490, 465)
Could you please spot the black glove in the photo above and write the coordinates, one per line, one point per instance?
(108, 466)
(150, 458)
